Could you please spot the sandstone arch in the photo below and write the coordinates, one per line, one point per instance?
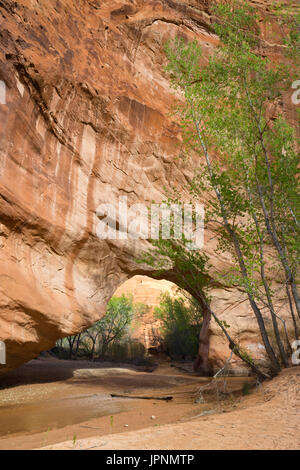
(86, 120)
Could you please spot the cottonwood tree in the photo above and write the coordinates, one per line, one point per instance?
(190, 270)
(117, 320)
(181, 320)
(232, 116)
(72, 341)
(113, 326)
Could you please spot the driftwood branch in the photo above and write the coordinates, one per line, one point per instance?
(115, 395)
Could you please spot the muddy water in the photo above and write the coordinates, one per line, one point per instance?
(57, 413)
(48, 401)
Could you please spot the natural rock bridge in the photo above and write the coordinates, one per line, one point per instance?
(86, 120)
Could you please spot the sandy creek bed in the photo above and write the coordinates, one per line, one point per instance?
(47, 402)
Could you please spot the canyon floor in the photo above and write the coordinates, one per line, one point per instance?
(55, 404)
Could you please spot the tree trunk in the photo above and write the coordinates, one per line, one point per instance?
(93, 351)
(265, 283)
(104, 350)
(77, 346)
(292, 312)
(201, 364)
(71, 343)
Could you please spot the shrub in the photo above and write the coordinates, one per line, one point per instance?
(181, 323)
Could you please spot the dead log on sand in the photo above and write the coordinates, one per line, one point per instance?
(115, 395)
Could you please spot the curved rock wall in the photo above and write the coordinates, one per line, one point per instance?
(86, 120)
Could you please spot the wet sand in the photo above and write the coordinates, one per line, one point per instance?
(47, 401)
(68, 405)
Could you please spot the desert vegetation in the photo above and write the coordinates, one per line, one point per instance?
(110, 337)
(231, 114)
(181, 321)
(130, 133)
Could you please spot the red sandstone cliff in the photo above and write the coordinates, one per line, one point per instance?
(86, 120)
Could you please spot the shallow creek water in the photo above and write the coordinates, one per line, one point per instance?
(57, 413)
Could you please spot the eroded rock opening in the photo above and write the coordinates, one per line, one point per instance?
(87, 119)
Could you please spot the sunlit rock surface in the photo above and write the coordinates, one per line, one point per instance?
(86, 121)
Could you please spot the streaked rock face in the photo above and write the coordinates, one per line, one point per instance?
(86, 121)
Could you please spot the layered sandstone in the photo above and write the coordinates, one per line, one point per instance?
(86, 120)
